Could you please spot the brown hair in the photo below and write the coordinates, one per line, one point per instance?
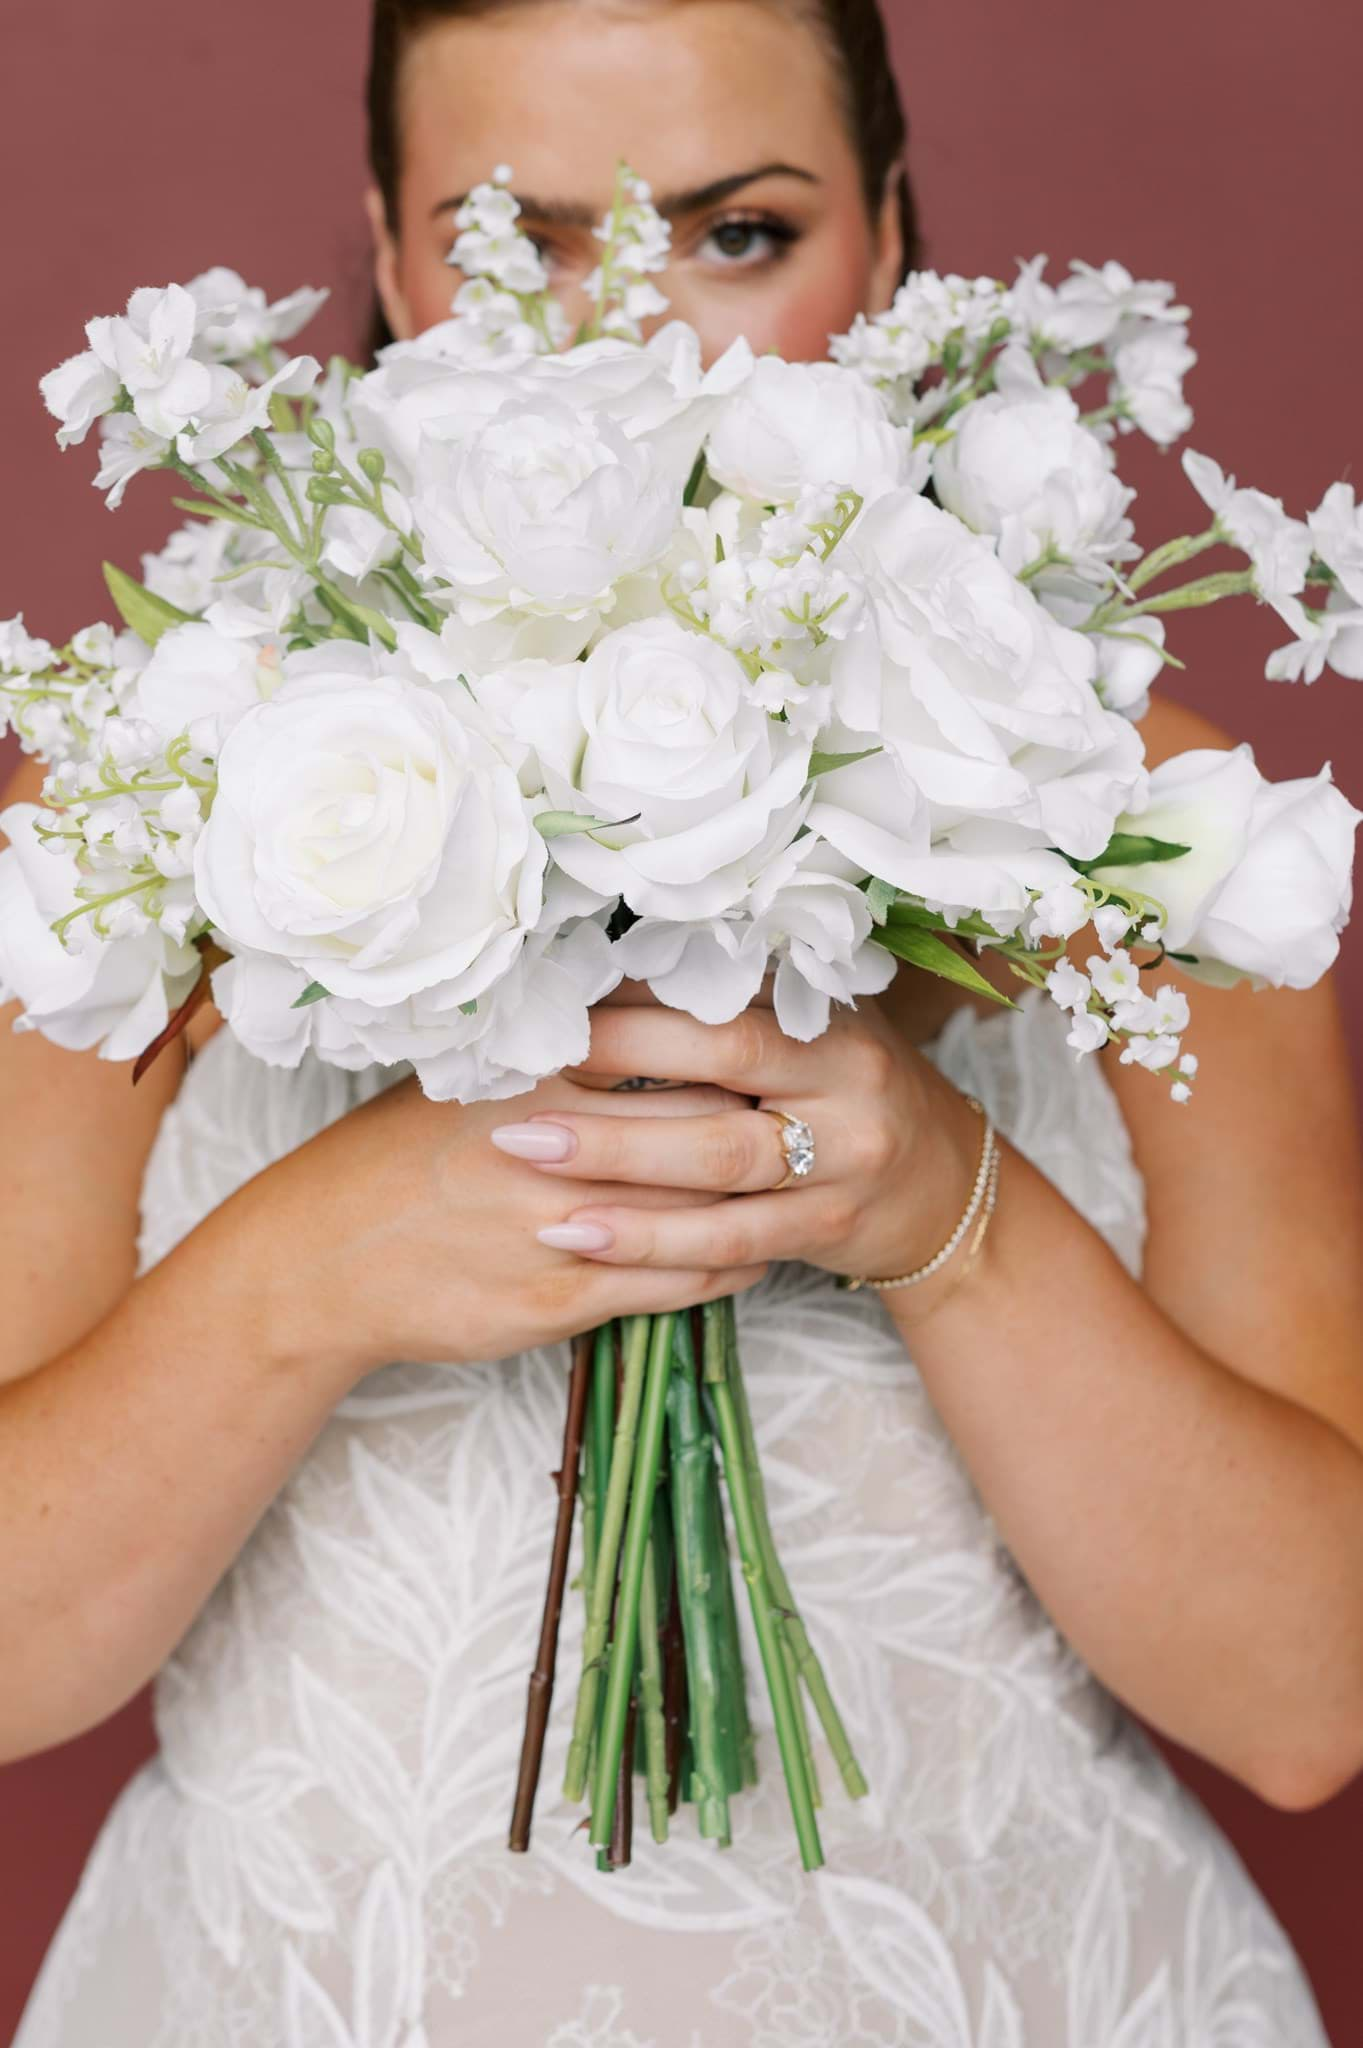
(852, 30)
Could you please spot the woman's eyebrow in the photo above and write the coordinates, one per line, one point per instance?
(571, 213)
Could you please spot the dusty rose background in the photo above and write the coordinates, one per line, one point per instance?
(1214, 143)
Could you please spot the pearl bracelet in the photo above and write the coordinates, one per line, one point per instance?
(981, 1204)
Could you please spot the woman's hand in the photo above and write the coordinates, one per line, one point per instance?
(896, 1148)
(403, 1233)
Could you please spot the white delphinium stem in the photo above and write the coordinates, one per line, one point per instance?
(131, 816)
(504, 301)
(637, 240)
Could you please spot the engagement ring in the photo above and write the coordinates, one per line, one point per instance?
(797, 1147)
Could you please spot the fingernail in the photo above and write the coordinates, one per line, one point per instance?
(577, 1237)
(535, 1141)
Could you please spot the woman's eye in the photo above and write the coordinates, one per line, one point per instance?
(747, 242)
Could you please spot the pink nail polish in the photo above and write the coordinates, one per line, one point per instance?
(577, 1237)
(547, 1143)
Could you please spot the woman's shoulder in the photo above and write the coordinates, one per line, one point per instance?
(1170, 728)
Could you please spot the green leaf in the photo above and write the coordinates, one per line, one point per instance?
(1132, 849)
(905, 912)
(825, 764)
(313, 993)
(880, 896)
(207, 508)
(694, 480)
(558, 824)
(924, 949)
(141, 609)
(469, 1009)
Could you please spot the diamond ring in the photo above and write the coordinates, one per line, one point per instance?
(797, 1147)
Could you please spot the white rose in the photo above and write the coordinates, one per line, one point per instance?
(984, 703)
(1021, 465)
(541, 509)
(795, 424)
(1279, 914)
(654, 735)
(1267, 885)
(370, 833)
(116, 994)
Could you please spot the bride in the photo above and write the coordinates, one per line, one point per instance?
(1115, 1461)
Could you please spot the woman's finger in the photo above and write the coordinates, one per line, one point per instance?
(648, 1291)
(746, 1230)
(751, 1055)
(740, 1152)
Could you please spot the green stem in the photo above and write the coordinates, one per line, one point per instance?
(602, 1424)
(784, 1709)
(651, 1695)
(737, 1742)
(588, 1492)
(1205, 590)
(793, 1631)
(620, 1671)
(1170, 555)
(608, 1553)
(692, 1469)
(1186, 597)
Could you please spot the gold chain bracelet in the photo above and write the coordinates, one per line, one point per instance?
(983, 1197)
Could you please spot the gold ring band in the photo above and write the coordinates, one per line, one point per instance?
(797, 1147)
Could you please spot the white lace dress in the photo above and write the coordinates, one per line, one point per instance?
(317, 1856)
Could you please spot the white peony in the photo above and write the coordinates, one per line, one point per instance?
(805, 915)
(1020, 465)
(1267, 884)
(541, 509)
(196, 672)
(367, 830)
(654, 736)
(792, 425)
(533, 1021)
(658, 393)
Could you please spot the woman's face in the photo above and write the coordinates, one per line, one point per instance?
(727, 107)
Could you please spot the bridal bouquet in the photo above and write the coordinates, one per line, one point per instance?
(525, 661)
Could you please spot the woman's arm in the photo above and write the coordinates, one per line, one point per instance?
(146, 1424)
(1177, 1468)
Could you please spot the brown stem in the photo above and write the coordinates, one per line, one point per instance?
(212, 956)
(622, 1823)
(674, 1688)
(542, 1677)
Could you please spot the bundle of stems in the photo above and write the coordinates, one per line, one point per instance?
(662, 1691)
